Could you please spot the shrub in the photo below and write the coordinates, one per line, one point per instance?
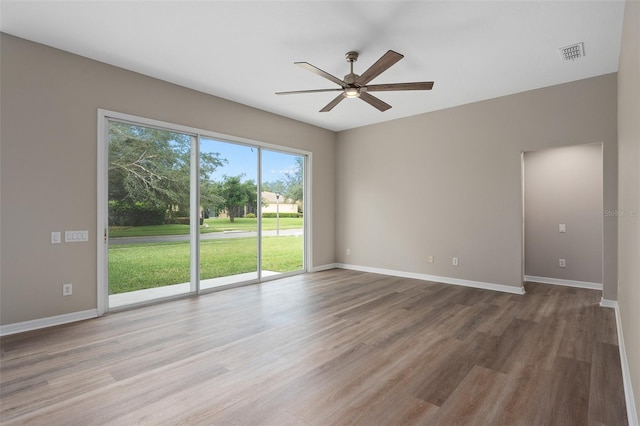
(249, 216)
(181, 220)
(122, 213)
(265, 215)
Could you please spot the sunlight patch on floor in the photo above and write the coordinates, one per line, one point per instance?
(149, 294)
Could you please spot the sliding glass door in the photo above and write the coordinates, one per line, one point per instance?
(185, 212)
(282, 206)
(228, 203)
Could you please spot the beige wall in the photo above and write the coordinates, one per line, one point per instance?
(49, 103)
(564, 185)
(629, 190)
(448, 183)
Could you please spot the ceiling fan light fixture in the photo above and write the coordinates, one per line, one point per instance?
(351, 92)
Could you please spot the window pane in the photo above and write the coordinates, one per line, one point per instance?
(148, 194)
(228, 203)
(282, 212)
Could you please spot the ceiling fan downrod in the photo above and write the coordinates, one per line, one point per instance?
(351, 78)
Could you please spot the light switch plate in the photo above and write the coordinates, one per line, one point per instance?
(562, 227)
(55, 238)
(76, 236)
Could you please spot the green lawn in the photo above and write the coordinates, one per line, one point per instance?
(138, 266)
(210, 225)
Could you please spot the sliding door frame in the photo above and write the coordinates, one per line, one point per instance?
(105, 116)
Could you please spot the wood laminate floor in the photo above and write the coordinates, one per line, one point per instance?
(333, 347)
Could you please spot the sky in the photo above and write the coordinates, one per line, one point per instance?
(243, 159)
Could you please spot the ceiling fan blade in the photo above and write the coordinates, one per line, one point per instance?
(321, 73)
(379, 67)
(308, 91)
(424, 85)
(333, 103)
(375, 102)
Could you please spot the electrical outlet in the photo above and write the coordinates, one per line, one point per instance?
(67, 289)
(454, 262)
(430, 259)
(562, 263)
(348, 252)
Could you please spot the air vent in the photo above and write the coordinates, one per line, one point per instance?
(570, 53)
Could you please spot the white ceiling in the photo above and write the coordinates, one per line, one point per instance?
(244, 50)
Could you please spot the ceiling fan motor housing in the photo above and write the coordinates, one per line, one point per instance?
(350, 78)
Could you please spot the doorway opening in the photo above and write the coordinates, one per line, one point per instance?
(563, 221)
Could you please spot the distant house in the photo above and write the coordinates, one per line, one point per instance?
(270, 204)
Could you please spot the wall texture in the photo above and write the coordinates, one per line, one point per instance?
(49, 102)
(564, 185)
(629, 195)
(448, 183)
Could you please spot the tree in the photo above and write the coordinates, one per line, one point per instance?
(151, 167)
(295, 182)
(211, 199)
(277, 187)
(251, 189)
(235, 196)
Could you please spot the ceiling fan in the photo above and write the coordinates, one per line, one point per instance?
(355, 86)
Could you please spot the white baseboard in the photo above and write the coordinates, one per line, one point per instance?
(20, 327)
(607, 303)
(632, 413)
(445, 280)
(567, 283)
(323, 267)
